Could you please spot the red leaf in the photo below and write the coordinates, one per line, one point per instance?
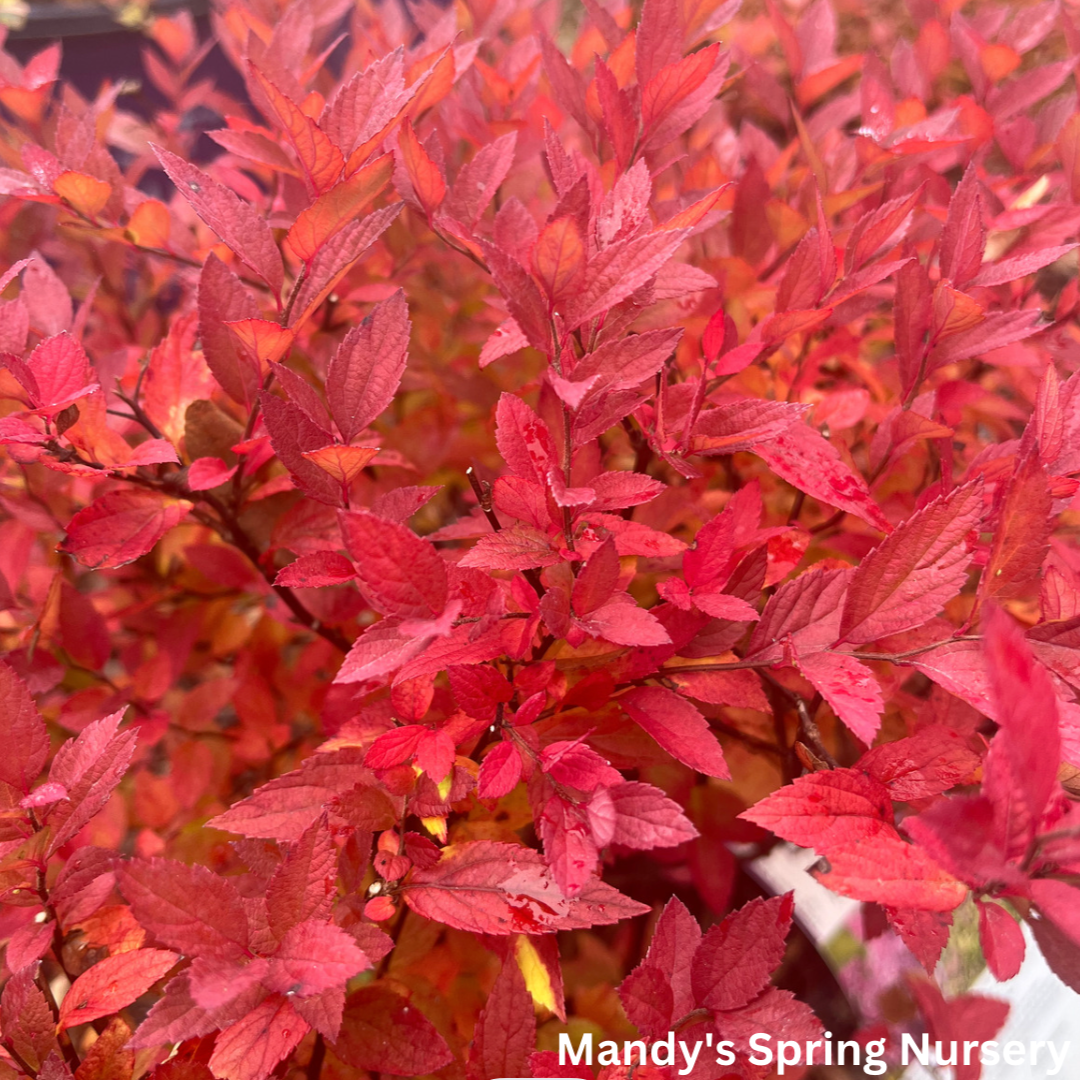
(320, 159)
(678, 727)
(22, 732)
(283, 808)
(223, 299)
(1001, 939)
(964, 237)
(519, 547)
(997, 329)
(876, 228)
(910, 575)
(500, 771)
(250, 1048)
(88, 768)
(292, 434)
(120, 527)
(849, 687)
(806, 460)
(825, 809)
(505, 1032)
(493, 888)
(113, 983)
(382, 1032)
(46, 297)
(647, 998)
(26, 1020)
(560, 258)
(1022, 763)
(675, 940)
(807, 609)
(646, 818)
(303, 886)
(367, 366)
(970, 1017)
(1021, 265)
(524, 440)
(399, 573)
(59, 373)
(237, 222)
(1022, 533)
(927, 764)
(679, 93)
(733, 963)
(925, 933)
(479, 179)
(422, 175)
(316, 571)
(189, 908)
(314, 956)
(617, 271)
(891, 872)
(335, 208)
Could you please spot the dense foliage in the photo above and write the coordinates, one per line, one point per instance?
(522, 465)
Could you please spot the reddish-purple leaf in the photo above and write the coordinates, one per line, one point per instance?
(314, 956)
(478, 180)
(283, 808)
(252, 1047)
(644, 818)
(1022, 533)
(367, 366)
(382, 1032)
(88, 768)
(1024, 755)
(189, 908)
(964, 236)
(303, 886)
(237, 222)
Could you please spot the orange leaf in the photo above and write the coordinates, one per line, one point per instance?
(425, 176)
(262, 338)
(322, 161)
(816, 86)
(334, 209)
(437, 84)
(688, 218)
(149, 224)
(343, 463)
(560, 257)
(998, 61)
(87, 195)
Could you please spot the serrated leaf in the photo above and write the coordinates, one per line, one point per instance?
(113, 983)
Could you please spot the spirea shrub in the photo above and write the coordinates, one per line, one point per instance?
(520, 465)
